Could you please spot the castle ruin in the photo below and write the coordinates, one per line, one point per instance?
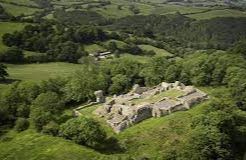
(142, 103)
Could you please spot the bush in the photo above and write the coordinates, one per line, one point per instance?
(13, 55)
(21, 124)
(83, 131)
(52, 128)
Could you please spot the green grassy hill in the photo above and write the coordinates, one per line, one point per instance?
(218, 13)
(150, 138)
(35, 146)
(38, 72)
(17, 10)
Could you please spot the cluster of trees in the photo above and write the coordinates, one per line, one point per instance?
(44, 104)
(217, 133)
(218, 33)
(60, 44)
(78, 17)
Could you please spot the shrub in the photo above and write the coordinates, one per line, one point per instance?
(52, 128)
(21, 124)
(83, 131)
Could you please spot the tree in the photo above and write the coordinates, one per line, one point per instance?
(206, 142)
(52, 128)
(3, 72)
(120, 84)
(112, 46)
(239, 48)
(13, 55)
(45, 108)
(83, 83)
(49, 101)
(154, 71)
(172, 73)
(21, 124)
(83, 131)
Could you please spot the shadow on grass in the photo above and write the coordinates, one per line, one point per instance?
(111, 146)
(9, 81)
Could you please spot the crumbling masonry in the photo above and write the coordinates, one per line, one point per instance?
(122, 111)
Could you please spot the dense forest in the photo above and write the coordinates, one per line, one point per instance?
(218, 33)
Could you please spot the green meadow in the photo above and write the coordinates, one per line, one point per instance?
(21, 2)
(218, 13)
(16, 10)
(38, 72)
(158, 51)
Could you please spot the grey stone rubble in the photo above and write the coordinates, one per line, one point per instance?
(121, 112)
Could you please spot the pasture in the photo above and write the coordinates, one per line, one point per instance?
(218, 13)
(170, 9)
(158, 51)
(21, 2)
(93, 48)
(16, 10)
(38, 72)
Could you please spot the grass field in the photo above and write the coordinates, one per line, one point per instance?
(169, 9)
(93, 48)
(8, 27)
(22, 2)
(218, 13)
(112, 11)
(35, 146)
(119, 44)
(158, 51)
(38, 72)
(18, 10)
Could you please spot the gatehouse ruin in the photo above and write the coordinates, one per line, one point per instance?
(142, 103)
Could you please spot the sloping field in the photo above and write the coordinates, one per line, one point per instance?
(31, 145)
(21, 2)
(38, 72)
(167, 9)
(16, 10)
(218, 13)
(158, 51)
